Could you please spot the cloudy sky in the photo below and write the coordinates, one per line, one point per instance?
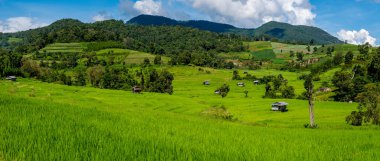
(353, 20)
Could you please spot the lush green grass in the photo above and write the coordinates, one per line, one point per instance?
(129, 56)
(264, 55)
(64, 48)
(237, 55)
(344, 48)
(258, 45)
(82, 123)
(121, 55)
(279, 48)
(14, 40)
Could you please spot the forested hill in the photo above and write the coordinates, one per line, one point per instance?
(163, 40)
(282, 32)
(148, 20)
(296, 34)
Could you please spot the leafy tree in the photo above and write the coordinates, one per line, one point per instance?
(80, 78)
(299, 56)
(95, 75)
(373, 69)
(30, 68)
(338, 59)
(342, 80)
(106, 80)
(236, 75)
(308, 48)
(329, 51)
(270, 91)
(355, 119)
(368, 109)
(288, 92)
(146, 62)
(223, 90)
(359, 70)
(315, 49)
(229, 65)
(348, 57)
(157, 60)
(364, 49)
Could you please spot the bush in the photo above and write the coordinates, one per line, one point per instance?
(219, 113)
(30, 68)
(355, 119)
(223, 90)
(288, 92)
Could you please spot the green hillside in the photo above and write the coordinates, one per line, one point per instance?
(115, 91)
(295, 34)
(64, 48)
(128, 56)
(77, 123)
(282, 32)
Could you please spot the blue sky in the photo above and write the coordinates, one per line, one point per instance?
(342, 18)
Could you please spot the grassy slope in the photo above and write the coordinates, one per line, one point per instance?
(78, 123)
(126, 55)
(64, 48)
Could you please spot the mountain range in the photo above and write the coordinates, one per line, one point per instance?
(278, 31)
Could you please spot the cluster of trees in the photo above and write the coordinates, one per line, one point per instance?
(249, 77)
(350, 83)
(276, 85)
(368, 109)
(10, 63)
(154, 81)
(223, 90)
(109, 76)
(208, 59)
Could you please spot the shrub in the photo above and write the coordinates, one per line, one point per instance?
(218, 113)
(355, 119)
(223, 90)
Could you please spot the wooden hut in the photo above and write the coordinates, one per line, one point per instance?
(280, 106)
(136, 89)
(206, 83)
(11, 78)
(241, 84)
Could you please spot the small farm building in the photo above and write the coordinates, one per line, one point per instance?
(206, 83)
(280, 106)
(11, 78)
(241, 84)
(136, 89)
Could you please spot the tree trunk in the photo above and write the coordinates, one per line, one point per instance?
(311, 108)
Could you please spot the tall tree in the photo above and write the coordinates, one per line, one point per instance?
(309, 86)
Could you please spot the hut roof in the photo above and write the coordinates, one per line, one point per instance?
(280, 104)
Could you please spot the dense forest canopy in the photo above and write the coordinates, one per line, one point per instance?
(157, 40)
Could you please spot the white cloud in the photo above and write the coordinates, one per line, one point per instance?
(356, 37)
(15, 24)
(241, 13)
(101, 16)
(150, 7)
(252, 13)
